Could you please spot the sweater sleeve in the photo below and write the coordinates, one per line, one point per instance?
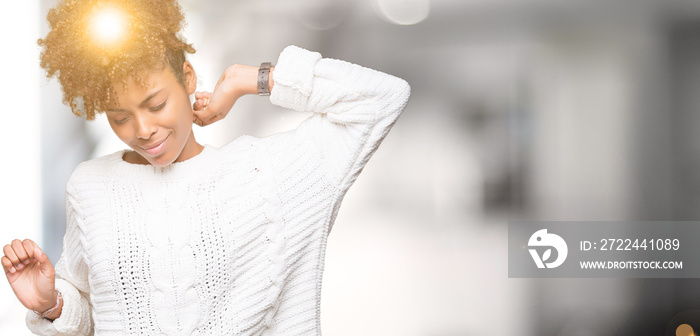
(71, 281)
(354, 108)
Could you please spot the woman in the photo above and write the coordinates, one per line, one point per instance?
(174, 237)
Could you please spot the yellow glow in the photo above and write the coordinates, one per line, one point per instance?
(108, 26)
(685, 330)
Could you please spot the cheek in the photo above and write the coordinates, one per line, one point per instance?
(121, 132)
(184, 119)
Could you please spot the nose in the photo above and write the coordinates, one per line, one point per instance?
(144, 127)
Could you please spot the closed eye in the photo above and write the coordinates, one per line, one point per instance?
(158, 108)
(119, 122)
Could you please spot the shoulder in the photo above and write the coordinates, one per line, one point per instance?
(93, 168)
(278, 148)
(248, 146)
(243, 142)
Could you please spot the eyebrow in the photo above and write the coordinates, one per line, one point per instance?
(143, 103)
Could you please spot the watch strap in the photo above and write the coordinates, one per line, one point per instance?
(264, 79)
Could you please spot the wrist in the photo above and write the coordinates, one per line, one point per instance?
(250, 76)
(240, 80)
(56, 313)
(52, 309)
(47, 304)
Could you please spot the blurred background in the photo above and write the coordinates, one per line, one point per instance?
(520, 110)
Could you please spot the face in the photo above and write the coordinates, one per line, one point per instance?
(156, 121)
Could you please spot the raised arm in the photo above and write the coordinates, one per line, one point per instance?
(354, 107)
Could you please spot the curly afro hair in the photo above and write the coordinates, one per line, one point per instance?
(86, 63)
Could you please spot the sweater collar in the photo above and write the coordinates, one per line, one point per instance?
(189, 168)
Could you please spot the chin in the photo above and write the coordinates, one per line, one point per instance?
(165, 159)
(160, 163)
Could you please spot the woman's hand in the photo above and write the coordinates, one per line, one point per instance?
(30, 273)
(238, 80)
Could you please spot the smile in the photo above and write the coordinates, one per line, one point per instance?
(157, 149)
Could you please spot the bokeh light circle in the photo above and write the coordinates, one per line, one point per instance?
(685, 330)
(404, 12)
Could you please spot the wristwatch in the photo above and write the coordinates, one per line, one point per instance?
(264, 79)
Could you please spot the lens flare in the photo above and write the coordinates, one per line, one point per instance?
(108, 26)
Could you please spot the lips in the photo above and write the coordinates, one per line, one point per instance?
(155, 148)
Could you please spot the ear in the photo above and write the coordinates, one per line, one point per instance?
(190, 77)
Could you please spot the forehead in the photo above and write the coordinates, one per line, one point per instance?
(133, 89)
(144, 80)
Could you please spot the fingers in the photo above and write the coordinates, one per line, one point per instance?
(213, 109)
(17, 255)
(40, 255)
(29, 246)
(201, 103)
(12, 257)
(19, 250)
(46, 267)
(7, 265)
(202, 100)
(208, 120)
(202, 94)
(202, 117)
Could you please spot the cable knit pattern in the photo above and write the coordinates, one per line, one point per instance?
(231, 241)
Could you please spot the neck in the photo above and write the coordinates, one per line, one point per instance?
(192, 148)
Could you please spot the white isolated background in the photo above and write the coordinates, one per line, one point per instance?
(20, 199)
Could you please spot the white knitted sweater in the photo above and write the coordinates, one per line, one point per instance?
(231, 241)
